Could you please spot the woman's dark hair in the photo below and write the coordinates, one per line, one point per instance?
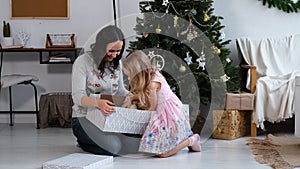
(105, 36)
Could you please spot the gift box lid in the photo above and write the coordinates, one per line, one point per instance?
(117, 100)
(79, 161)
(239, 101)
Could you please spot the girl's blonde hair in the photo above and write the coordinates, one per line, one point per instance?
(141, 73)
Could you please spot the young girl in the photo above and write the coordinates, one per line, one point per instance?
(168, 130)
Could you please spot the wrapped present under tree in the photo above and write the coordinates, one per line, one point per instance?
(229, 124)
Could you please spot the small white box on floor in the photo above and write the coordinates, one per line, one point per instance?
(297, 107)
(79, 161)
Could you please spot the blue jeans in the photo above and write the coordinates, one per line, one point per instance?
(93, 140)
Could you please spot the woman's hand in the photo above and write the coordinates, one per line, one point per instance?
(105, 106)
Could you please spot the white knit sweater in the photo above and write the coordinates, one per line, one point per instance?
(86, 81)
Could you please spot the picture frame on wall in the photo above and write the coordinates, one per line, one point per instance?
(37, 9)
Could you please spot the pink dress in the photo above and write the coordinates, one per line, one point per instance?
(169, 125)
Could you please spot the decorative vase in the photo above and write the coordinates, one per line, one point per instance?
(7, 41)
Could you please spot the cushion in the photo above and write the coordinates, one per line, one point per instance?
(10, 80)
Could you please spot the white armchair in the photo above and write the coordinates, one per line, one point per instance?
(274, 63)
(297, 107)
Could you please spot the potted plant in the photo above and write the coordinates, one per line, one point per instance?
(7, 39)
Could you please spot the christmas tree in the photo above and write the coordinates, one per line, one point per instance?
(185, 40)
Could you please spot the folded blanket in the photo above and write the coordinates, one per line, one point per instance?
(277, 64)
(275, 98)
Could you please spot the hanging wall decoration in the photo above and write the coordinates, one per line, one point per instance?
(37, 9)
(284, 5)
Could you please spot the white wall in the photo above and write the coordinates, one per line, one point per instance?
(86, 17)
(249, 18)
(241, 18)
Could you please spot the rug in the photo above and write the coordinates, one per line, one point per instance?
(279, 152)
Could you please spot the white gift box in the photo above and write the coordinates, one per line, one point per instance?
(123, 120)
(79, 161)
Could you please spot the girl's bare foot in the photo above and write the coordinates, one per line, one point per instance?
(194, 144)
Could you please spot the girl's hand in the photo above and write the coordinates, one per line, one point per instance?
(105, 106)
(127, 103)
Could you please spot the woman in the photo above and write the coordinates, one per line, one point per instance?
(97, 72)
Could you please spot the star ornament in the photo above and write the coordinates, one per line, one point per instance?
(188, 58)
(165, 2)
(151, 54)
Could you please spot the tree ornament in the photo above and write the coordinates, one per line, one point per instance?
(206, 17)
(223, 35)
(201, 60)
(182, 68)
(151, 54)
(157, 60)
(225, 78)
(173, 89)
(188, 58)
(201, 64)
(194, 12)
(217, 50)
(228, 60)
(175, 21)
(145, 35)
(158, 30)
(165, 2)
(191, 34)
(176, 24)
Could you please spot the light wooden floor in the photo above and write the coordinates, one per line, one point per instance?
(24, 147)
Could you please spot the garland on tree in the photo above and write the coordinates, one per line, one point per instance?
(284, 5)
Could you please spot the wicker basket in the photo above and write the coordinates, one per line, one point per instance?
(229, 124)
